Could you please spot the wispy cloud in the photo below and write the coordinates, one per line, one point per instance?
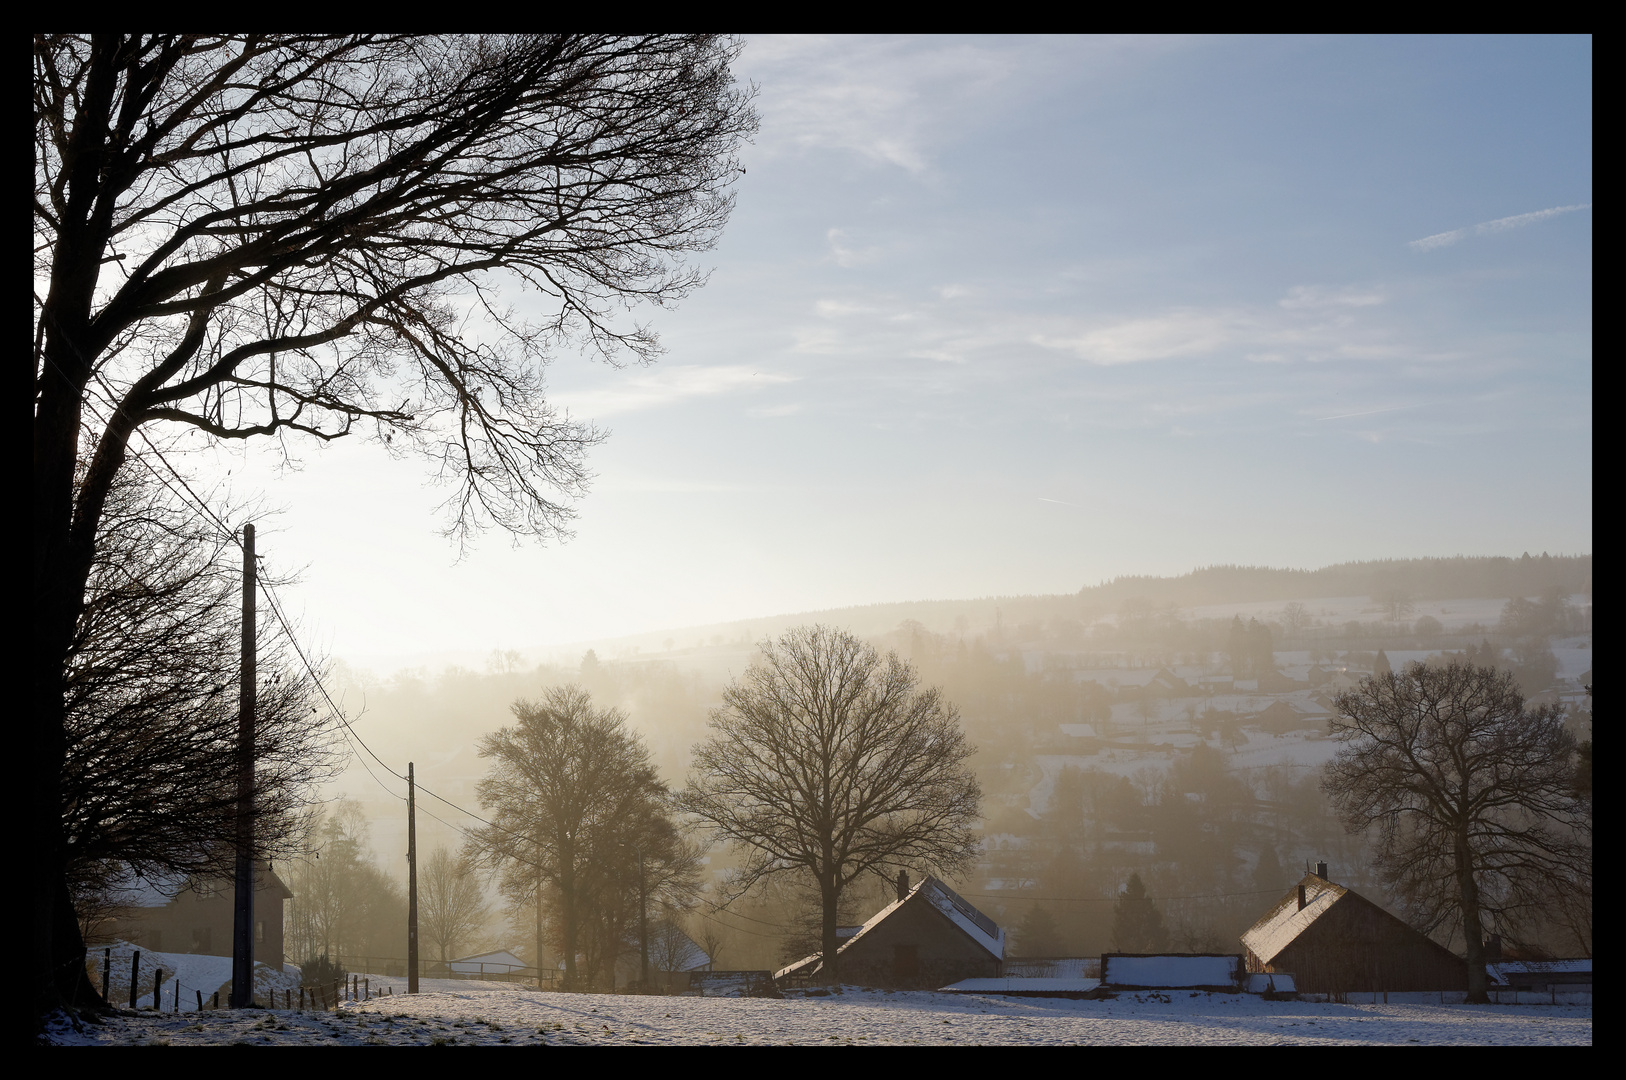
(1162, 337)
(847, 255)
(668, 386)
(896, 101)
(1517, 221)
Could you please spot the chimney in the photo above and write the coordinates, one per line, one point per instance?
(1302, 901)
(903, 884)
(1321, 870)
(1493, 949)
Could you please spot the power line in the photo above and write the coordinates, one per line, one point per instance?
(1115, 899)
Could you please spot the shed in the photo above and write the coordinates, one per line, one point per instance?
(1222, 972)
(1333, 941)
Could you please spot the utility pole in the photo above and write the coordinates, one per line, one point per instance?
(412, 882)
(242, 938)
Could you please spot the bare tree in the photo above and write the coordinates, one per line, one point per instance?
(573, 797)
(830, 760)
(1468, 795)
(451, 904)
(1397, 605)
(281, 235)
(1295, 617)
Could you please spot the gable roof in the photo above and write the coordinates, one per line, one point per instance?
(953, 907)
(1282, 924)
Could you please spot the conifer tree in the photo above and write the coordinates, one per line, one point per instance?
(1137, 925)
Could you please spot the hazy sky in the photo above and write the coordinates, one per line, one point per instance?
(1015, 315)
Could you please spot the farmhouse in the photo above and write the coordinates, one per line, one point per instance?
(1333, 940)
(195, 915)
(928, 937)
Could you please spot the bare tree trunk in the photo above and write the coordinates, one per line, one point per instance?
(567, 905)
(1473, 935)
(830, 897)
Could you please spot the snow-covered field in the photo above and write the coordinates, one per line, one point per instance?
(490, 1014)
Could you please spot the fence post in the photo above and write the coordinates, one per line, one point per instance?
(177, 995)
(107, 970)
(157, 981)
(135, 974)
(200, 1001)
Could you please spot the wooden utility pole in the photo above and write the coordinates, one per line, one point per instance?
(242, 938)
(412, 882)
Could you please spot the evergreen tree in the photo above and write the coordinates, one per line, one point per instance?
(1267, 873)
(1381, 666)
(1137, 925)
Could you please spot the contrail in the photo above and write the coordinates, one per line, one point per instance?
(1445, 239)
(1370, 412)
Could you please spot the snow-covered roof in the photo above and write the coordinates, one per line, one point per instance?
(1171, 971)
(977, 926)
(1286, 921)
(1500, 972)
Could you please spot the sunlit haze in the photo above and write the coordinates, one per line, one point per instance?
(1015, 315)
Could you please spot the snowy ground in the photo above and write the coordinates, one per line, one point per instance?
(490, 1014)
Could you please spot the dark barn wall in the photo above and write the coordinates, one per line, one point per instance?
(915, 947)
(193, 923)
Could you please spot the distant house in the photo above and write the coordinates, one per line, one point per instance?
(673, 958)
(1280, 717)
(501, 965)
(1333, 941)
(196, 915)
(929, 937)
(1274, 682)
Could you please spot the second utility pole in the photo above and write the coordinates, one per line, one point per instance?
(412, 883)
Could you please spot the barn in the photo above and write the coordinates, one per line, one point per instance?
(929, 937)
(1333, 941)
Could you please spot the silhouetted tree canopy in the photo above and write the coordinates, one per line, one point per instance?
(263, 235)
(1468, 797)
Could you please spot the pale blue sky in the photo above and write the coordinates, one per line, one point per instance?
(1014, 315)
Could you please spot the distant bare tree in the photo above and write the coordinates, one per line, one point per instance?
(451, 904)
(1468, 795)
(1397, 605)
(830, 760)
(1295, 617)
